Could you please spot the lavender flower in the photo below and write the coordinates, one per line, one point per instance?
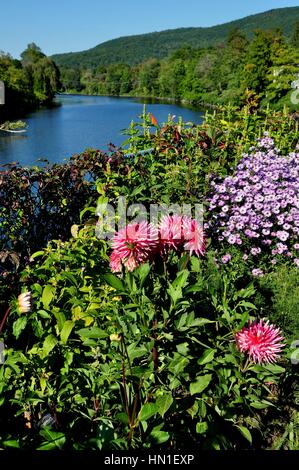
(259, 205)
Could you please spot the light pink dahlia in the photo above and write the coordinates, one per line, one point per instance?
(133, 245)
(261, 341)
(181, 233)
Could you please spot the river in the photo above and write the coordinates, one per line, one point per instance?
(78, 122)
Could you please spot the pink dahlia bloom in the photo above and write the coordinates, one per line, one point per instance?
(133, 245)
(261, 341)
(182, 233)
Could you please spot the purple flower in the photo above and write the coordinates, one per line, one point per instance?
(261, 205)
(226, 258)
(257, 272)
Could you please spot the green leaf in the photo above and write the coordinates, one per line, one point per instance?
(48, 295)
(93, 332)
(49, 344)
(175, 294)
(201, 428)
(163, 403)
(37, 254)
(143, 272)
(54, 440)
(274, 368)
(259, 405)
(245, 433)
(147, 411)
(66, 331)
(19, 326)
(122, 417)
(200, 322)
(159, 436)
(60, 317)
(114, 281)
(11, 443)
(134, 352)
(181, 280)
(207, 356)
(201, 383)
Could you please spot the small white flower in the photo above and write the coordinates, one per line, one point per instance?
(25, 302)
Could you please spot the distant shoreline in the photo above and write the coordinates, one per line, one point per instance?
(187, 103)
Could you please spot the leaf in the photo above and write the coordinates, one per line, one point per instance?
(48, 294)
(200, 322)
(245, 433)
(19, 326)
(114, 281)
(122, 417)
(147, 411)
(143, 273)
(207, 356)
(163, 403)
(159, 436)
(175, 294)
(274, 368)
(201, 384)
(134, 352)
(181, 280)
(12, 443)
(93, 332)
(54, 440)
(201, 428)
(37, 254)
(66, 331)
(49, 344)
(259, 405)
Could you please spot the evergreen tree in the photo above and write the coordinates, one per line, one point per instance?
(295, 37)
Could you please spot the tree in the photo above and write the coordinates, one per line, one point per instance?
(32, 54)
(258, 62)
(237, 41)
(295, 37)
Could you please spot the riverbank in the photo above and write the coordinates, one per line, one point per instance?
(150, 99)
(77, 122)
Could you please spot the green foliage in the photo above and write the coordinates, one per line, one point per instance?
(134, 362)
(28, 83)
(279, 293)
(136, 49)
(239, 72)
(147, 358)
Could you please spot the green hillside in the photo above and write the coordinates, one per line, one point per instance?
(136, 49)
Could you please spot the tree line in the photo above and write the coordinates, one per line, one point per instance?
(29, 82)
(257, 71)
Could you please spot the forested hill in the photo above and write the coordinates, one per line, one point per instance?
(135, 49)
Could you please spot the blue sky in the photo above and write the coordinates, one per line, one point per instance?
(74, 25)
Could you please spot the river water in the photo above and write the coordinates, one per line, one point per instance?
(78, 122)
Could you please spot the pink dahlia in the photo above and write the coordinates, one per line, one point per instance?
(182, 233)
(261, 341)
(133, 245)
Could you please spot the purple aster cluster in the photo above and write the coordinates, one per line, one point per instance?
(257, 208)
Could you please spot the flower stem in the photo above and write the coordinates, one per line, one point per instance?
(4, 319)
